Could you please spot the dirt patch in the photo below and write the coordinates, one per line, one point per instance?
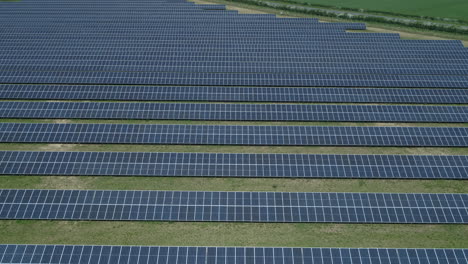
(431, 151)
(57, 147)
(333, 228)
(394, 124)
(407, 35)
(61, 121)
(63, 182)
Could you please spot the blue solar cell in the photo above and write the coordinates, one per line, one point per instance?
(233, 94)
(241, 112)
(240, 79)
(271, 40)
(232, 68)
(64, 254)
(147, 56)
(233, 165)
(234, 206)
(234, 135)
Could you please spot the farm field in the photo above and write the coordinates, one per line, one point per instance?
(456, 9)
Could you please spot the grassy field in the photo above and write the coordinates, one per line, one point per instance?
(234, 234)
(457, 9)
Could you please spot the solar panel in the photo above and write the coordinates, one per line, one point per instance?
(159, 15)
(71, 21)
(233, 165)
(233, 94)
(235, 79)
(225, 22)
(65, 254)
(250, 41)
(233, 69)
(110, 23)
(227, 66)
(242, 112)
(234, 206)
(228, 57)
(229, 30)
(234, 135)
(270, 41)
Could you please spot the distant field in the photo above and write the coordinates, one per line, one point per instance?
(434, 8)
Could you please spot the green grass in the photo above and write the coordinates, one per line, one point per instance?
(232, 184)
(234, 234)
(457, 9)
(234, 149)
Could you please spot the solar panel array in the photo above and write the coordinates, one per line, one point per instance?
(234, 135)
(158, 43)
(66, 254)
(224, 67)
(253, 79)
(173, 50)
(232, 94)
(234, 206)
(242, 112)
(233, 165)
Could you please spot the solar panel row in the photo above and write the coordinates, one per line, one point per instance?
(226, 65)
(229, 29)
(222, 23)
(145, 33)
(234, 135)
(227, 57)
(170, 21)
(164, 15)
(160, 43)
(318, 45)
(233, 165)
(241, 112)
(235, 79)
(233, 94)
(234, 206)
(248, 41)
(145, 16)
(231, 69)
(218, 57)
(270, 38)
(68, 254)
(136, 10)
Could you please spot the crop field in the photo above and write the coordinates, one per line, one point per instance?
(456, 9)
